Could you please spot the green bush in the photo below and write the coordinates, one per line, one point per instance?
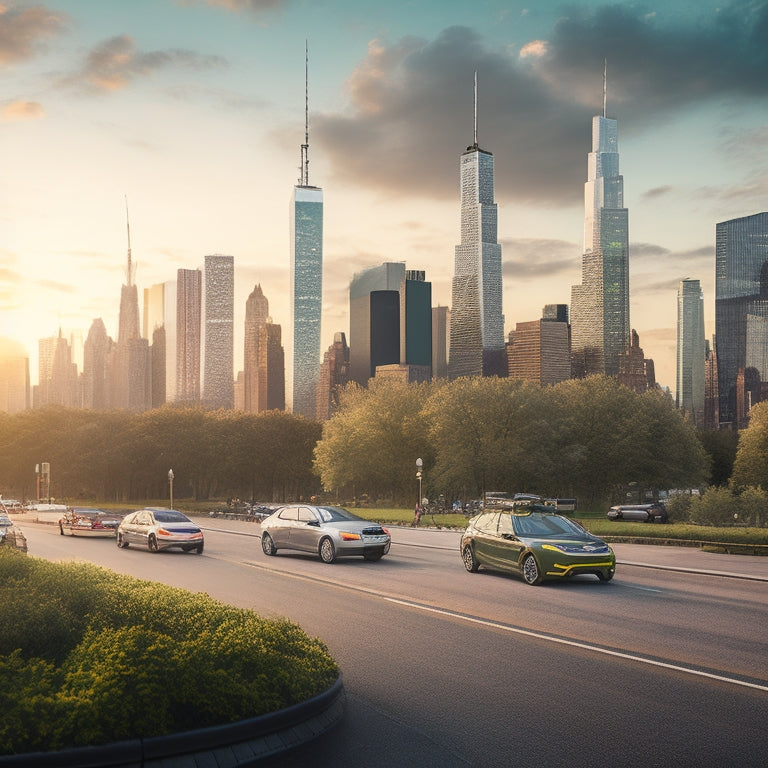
(716, 506)
(88, 656)
(679, 508)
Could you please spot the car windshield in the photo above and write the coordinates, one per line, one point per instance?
(336, 514)
(170, 516)
(544, 526)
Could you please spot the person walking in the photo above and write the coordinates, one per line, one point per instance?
(416, 516)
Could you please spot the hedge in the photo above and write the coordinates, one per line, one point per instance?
(88, 656)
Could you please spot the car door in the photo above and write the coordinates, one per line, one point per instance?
(509, 546)
(483, 541)
(305, 534)
(137, 530)
(287, 518)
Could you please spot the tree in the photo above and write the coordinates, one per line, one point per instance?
(751, 464)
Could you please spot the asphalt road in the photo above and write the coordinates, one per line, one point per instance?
(659, 667)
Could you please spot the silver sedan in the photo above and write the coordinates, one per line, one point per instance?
(157, 528)
(329, 532)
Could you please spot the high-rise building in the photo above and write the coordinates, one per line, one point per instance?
(691, 350)
(477, 322)
(57, 380)
(159, 326)
(539, 351)
(711, 391)
(741, 303)
(188, 307)
(636, 371)
(306, 291)
(334, 375)
(256, 314)
(416, 320)
(96, 361)
(14, 381)
(600, 332)
(271, 369)
(441, 334)
(218, 321)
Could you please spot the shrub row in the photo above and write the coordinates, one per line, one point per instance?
(88, 657)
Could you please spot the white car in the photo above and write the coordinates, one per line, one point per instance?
(329, 532)
(157, 528)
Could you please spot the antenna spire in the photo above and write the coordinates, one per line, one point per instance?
(605, 85)
(129, 271)
(475, 119)
(304, 180)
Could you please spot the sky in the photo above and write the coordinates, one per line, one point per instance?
(192, 112)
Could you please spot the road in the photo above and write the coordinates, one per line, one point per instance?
(446, 668)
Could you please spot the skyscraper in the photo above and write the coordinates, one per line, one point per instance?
(218, 318)
(441, 334)
(741, 302)
(188, 306)
(271, 369)
(96, 356)
(306, 290)
(334, 374)
(256, 314)
(691, 350)
(600, 333)
(539, 351)
(477, 322)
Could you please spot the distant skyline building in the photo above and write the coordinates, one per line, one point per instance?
(334, 375)
(741, 303)
(477, 321)
(58, 383)
(98, 351)
(14, 383)
(636, 371)
(441, 336)
(271, 368)
(188, 308)
(600, 329)
(256, 315)
(416, 320)
(306, 276)
(691, 350)
(711, 389)
(539, 351)
(218, 331)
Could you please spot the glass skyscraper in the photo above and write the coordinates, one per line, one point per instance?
(691, 350)
(306, 294)
(477, 322)
(218, 319)
(741, 303)
(600, 305)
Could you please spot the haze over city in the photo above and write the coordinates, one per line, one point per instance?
(194, 112)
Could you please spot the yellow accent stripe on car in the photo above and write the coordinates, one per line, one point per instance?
(568, 568)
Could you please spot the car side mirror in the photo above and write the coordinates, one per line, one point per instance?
(315, 523)
(509, 536)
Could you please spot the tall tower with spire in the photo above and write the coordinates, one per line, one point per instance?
(477, 322)
(600, 332)
(306, 275)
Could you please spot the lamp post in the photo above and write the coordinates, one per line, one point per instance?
(419, 467)
(170, 483)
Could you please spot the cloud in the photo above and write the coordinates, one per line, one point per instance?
(22, 110)
(657, 192)
(532, 259)
(411, 101)
(116, 62)
(22, 30)
(254, 6)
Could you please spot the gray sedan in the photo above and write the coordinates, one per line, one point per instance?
(157, 528)
(329, 532)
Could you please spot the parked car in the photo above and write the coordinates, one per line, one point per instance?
(329, 532)
(90, 522)
(157, 528)
(644, 513)
(533, 542)
(5, 524)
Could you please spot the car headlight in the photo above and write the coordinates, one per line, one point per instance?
(346, 536)
(578, 549)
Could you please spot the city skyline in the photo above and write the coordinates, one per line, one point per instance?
(194, 111)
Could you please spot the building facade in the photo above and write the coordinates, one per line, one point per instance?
(600, 330)
(691, 350)
(441, 336)
(96, 361)
(539, 351)
(256, 315)
(477, 321)
(218, 319)
(741, 303)
(334, 375)
(188, 308)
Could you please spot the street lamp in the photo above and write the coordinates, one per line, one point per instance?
(170, 483)
(419, 467)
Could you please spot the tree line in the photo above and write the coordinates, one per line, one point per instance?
(585, 438)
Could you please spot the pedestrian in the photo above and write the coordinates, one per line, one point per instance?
(416, 515)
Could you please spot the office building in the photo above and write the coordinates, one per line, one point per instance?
(256, 315)
(57, 380)
(159, 328)
(600, 331)
(218, 327)
(188, 307)
(441, 335)
(97, 356)
(477, 322)
(711, 389)
(334, 375)
(741, 303)
(306, 274)
(691, 350)
(539, 351)
(636, 371)
(271, 368)
(416, 321)
(14, 382)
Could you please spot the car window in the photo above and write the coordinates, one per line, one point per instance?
(544, 526)
(306, 515)
(143, 518)
(505, 525)
(488, 522)
(289, 513)
(336, 514)
(170, 516)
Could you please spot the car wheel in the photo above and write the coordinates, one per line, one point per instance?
(268, 545)
(152, 544)
(327, 550)
(531, 570)
(372, 557)
(199, 549)
(470, 561)
(605, 575)
(121, 542)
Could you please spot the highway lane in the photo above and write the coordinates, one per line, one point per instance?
(448, 668)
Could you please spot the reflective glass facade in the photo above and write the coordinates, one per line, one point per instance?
(306, 295)
(600, 305)
(477, 322)
(691, 350)
(741, 289)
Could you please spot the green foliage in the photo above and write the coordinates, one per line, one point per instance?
(721, 445)
(679, 508)
(715, 507)
(131, 658)
(751, 464)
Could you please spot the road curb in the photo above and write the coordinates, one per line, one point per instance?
(243, 743)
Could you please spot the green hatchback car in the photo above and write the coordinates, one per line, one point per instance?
(534, 543)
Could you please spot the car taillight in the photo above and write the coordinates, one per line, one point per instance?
(349, 536)
(386, 530)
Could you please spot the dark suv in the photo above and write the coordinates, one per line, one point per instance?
(645, 513)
